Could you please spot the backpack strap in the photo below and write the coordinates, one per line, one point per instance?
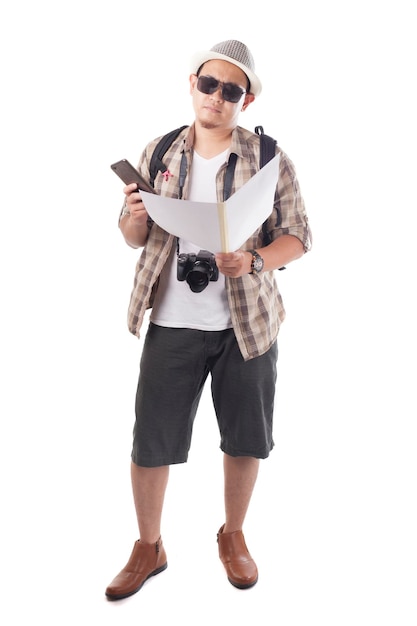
(267, 146)
(156, 164)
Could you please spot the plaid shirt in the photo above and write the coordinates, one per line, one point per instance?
(256, 306)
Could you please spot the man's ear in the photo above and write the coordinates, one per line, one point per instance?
(248, 99)
(193, 80)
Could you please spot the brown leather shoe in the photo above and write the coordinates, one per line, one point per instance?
(240, 567)
(146, 560)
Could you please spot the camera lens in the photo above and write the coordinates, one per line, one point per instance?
(198, 278)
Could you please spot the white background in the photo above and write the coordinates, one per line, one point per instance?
(332, 522)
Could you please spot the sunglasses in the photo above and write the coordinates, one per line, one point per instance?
(230, 91)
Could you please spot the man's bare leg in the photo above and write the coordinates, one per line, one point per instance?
(240, 474)
(149, 486)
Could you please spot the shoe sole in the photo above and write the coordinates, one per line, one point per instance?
(242, 585)
(120, 596)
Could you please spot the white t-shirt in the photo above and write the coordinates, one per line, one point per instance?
(176, 306)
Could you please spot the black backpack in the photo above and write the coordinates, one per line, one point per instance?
(267, 145)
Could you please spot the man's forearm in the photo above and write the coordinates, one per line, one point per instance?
(282, 251)
(135, 235)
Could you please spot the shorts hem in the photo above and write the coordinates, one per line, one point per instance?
(259, 454)
(157, 462)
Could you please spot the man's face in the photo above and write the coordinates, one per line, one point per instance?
(212, 110)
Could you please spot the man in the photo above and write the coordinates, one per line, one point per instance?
(227, 329)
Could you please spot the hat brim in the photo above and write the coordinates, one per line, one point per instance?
(199, 58)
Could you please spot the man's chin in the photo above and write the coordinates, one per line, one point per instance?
(207, 125)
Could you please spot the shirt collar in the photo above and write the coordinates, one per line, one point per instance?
(236, 145)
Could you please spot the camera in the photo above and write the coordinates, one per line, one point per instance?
(197, 269)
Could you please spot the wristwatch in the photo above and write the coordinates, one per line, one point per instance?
(257, 263)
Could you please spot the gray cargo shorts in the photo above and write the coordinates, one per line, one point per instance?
(174, 366)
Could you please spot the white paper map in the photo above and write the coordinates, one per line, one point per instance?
(222, 227)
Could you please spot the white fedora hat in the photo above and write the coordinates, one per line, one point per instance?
(234, 52)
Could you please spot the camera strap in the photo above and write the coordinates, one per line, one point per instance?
(228, 177)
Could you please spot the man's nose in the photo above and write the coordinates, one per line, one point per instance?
(219, 96)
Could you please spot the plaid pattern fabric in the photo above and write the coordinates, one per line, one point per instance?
(255, 303)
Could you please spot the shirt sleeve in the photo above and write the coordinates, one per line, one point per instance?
(289, 216)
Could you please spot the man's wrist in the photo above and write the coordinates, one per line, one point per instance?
(257, 262)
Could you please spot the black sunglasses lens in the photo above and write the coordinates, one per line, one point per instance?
(230, 91)
(207, 84)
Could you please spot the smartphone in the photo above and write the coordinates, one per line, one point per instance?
(130, 174)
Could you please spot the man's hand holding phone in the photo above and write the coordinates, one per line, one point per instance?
(135, 229)
(134, 205)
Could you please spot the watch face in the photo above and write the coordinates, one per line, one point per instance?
(257, 264)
